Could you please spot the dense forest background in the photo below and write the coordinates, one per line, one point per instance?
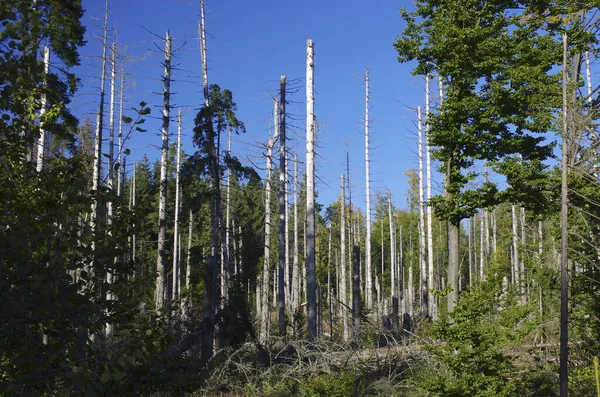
(205, 273)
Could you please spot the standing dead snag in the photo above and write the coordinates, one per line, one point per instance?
(368, 272)
(176, 258)
(161, 258)
(311, 292)
(282, 212)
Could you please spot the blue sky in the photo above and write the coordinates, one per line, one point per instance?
(250, 45)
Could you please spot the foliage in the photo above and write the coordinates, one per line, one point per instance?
(497, 101)
(468, 345)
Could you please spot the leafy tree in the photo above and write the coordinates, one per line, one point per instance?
(212, 120)
(500, 98)
(26, 28)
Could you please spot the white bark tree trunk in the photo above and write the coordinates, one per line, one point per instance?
(41, 153)
(265, 310)
(161, 259)
(515, 247)
(97, 173)
(343, 292)
(176, 259)
(121, 170)
(310, 193)
(430, 278)
(295, 270)
(522, 259)
(422, 246)
(368, 272)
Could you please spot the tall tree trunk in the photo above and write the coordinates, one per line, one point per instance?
(356, 286)
(161, 259)
(393, 296)
(228, 201)
(481, 247)
(41, 153)
(121, 169)
(186, 302)
(176, 259)
(97, 173)
(281, 249)
(470, 247)
(430, 278)
(295, 270)
(111, 130)
(265, 310)
(133, 194)
(515, 247)
(564, 239)
(453, 263)
(310, 193)
(288, 275)
(522, 260)
(111, 167)
(411, 280)
(368, 272)
(210, 282)
(422, 246)
(494, 230)
(343, 272)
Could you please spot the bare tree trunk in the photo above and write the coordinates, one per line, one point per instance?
(121, 170)
(356, 286)
(515, 247)
(329, 288)
(281, 249)
(288, 275)
(133, 194)
(564, 236)
(411, 281)
(161, 259)
(97, 173)
(228, 202)
(186, 303)
(176, 258)
(430, 278)
(368, 272)
(111, 129)
(540, 239)
(343, 293)
(522, 261)
(481, 247)
(422, 246)
(41, 153)
(265, 311)
(310, 192)
(295, 270)
(393, 296)
(453, 264)
(470, 242)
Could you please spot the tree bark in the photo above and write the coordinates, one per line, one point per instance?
(265, 310)
(453, 264)
(310, 192)
(368, 272)
(422, 246)
(564, 239)
(295, 270)
(176, 260)
(41, 153)
(430, 278)
(343, 292)
(282, 212)
(161, 259)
